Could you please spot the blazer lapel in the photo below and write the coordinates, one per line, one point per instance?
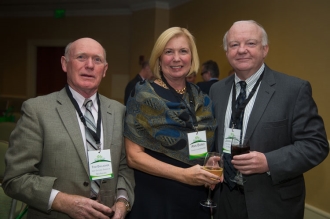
(222, 108)
(107, 122)
(264, 95)
(68, 115)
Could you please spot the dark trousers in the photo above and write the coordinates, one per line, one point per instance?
(231, 204)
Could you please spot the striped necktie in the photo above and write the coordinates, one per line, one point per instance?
(228, 166)
(240, 99)
(90, 141)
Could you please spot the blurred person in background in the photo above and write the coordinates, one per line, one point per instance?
(210, 74)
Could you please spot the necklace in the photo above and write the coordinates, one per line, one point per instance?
(161, 83)
(182, 91)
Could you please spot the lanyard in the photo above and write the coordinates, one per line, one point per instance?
(96, 135)
(191, 101)
(235, 116)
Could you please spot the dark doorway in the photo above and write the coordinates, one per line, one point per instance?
(50, 76)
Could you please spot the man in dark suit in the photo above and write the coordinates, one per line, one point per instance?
(280, 121)
(145, 73)
(210, 74)
(48, 163)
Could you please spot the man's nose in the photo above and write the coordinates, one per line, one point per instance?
(90, 63)
(242, 49)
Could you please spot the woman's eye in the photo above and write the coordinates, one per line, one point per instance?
(184, 51)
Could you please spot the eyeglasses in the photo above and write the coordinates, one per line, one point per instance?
(203, 72)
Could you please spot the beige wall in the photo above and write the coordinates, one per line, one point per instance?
(298, 33)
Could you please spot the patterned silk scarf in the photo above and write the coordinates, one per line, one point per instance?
(162, 126)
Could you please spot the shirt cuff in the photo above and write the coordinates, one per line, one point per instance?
(53, 194)
(121, 193)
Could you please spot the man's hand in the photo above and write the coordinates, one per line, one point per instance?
(79, 207)
(120, 210)
(253, 162)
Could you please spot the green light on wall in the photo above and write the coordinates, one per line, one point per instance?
(59, 13)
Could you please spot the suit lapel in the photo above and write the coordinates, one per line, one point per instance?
(67, 113)
(107, 122)
(221, 108)
(264, 95)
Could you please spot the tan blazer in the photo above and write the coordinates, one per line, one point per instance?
(46, 151)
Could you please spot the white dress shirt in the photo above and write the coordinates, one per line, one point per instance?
(250, 82)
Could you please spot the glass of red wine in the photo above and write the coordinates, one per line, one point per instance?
(239, 146)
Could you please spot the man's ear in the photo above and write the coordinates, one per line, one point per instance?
(105, 70)
(265, 50)
(64, 63)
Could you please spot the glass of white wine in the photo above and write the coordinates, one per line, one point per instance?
(213, 163)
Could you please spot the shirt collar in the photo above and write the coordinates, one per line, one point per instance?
(80, 99)
(250, 82)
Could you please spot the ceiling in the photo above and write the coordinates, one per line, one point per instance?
(81, 7)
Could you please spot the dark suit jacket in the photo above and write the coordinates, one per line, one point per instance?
(46, 151)
(130, 86)
(206, 85)
(284, 125)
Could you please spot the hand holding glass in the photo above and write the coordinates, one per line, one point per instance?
(239, 147)
(213, 163)
(106, 197)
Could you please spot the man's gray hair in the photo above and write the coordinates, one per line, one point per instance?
(67, 53)
(264, 37)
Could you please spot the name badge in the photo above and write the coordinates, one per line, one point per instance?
(100, 166)
(197, 145)
(230, 135)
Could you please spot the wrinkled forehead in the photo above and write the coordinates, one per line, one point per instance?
(87, 46)
(244, 30)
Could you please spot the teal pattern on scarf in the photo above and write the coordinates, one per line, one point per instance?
(162, 126)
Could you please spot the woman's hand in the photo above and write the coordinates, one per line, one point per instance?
(197, 176)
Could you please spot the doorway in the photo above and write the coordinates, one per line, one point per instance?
(32, 65)
(50, 76)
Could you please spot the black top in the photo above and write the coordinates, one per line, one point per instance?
(205, 85)
(130, 86)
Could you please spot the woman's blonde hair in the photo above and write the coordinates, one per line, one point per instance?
(160, 44)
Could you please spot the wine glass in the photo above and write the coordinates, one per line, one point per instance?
(239, 147)
(213, 163)
(106, 197)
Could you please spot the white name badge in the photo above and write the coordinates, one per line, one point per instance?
(100, 166)
(230, 134)
(197, 145)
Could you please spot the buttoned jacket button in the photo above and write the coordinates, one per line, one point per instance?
(86, 183)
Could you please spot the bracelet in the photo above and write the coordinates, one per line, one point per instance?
(128, 207)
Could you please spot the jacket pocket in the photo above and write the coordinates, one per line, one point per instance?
(292, 188)
(276, 124)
